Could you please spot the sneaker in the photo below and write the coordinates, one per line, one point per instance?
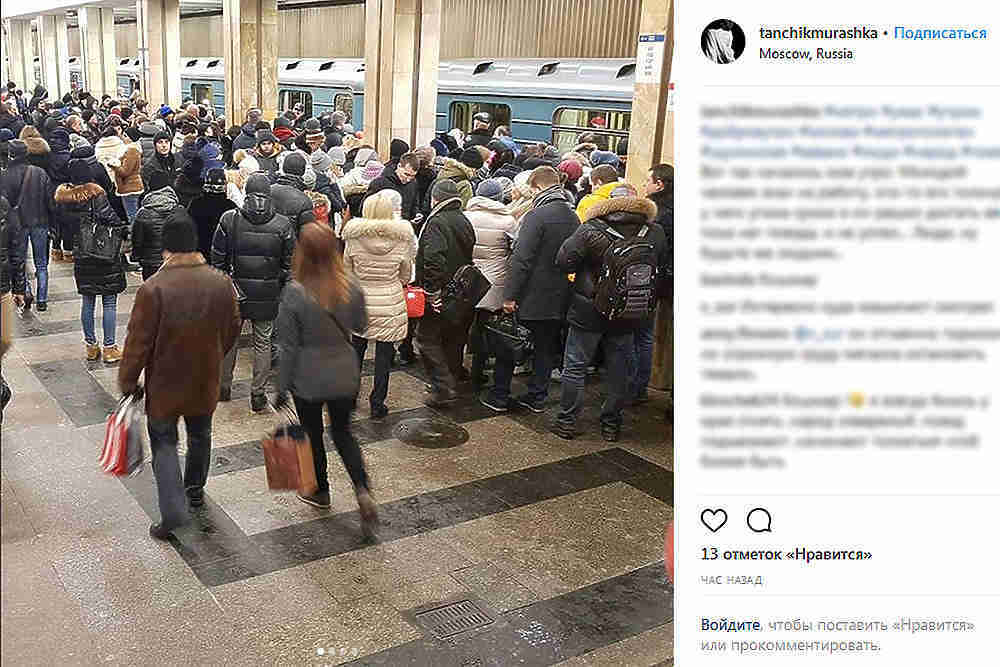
(196, 498)
(258, 404)
(93, 351)
(112, 355)
(57, 255)
(320, 499)
(441, 398)
(369, 514)
(610, 433)
(225, 394)
(159, 532)
(530, 403)
(493, 404)
(42, 307)
(379, 411)
(564, 431)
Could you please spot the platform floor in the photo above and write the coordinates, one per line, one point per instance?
(559, 545)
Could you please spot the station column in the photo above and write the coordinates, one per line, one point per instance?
(651, 142)
(159, 34)
(54, 58)
(251, 57)
(97, 50)
(402, 52)
(21, 54)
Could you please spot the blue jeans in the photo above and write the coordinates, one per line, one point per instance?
(580, 349)
(131, 204)
(38, 239)
(640, 365)
(170, 488)
(109, 304)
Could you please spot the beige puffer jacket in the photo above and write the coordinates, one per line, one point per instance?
(381, 253)
(496, 230)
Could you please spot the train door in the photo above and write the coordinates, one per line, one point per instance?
(289, 98)
(461, 113)
(609, 127)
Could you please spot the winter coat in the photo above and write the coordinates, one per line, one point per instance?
(268, 163)
(247, 139)
(507, 170)
(261, 262)
(12, 122)
(318, 362)
(665, 218)
(536, 283)
(290, 201)
(389, 180)
(159, 169)
(380, 253)
(183, 362)
(148, 131)
(327, 187)
(99, 175)
(495, 231)
(354, 182)
(147, 227)
(206, 210)
(5, 239)
(460, 174)
(39, 153)
(35, 201)
(425, 179)
(583, 254)
(37, 96)
(83, 205)
(445, 244)
(186, 189)
(59, 156)
(478, 138)
(123, 162)
(601, 194)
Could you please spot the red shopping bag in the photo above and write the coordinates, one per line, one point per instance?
(123, 452)
(415, 301)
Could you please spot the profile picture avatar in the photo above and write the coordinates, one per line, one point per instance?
(723, 41)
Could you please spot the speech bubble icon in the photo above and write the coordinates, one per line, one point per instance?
(759, 520)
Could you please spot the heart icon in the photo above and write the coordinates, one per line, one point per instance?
(714, 519)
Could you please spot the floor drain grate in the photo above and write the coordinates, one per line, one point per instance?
(431, 433)
(454, 618)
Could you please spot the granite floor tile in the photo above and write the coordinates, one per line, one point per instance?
(424, 592)
(28, 453)
(645, 649)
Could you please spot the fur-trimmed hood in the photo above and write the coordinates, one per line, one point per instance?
(77, 194)
(635, 205)
(379, 237)
(33, 140)
(456, 171)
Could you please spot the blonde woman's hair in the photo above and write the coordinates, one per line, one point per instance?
(383, 205)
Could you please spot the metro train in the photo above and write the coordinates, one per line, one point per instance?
(551, 100)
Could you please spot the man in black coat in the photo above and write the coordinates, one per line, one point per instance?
(28, 188)
(659, 190)
(147, 229)
(254, 245)
(537, 289)
(207, 208)
(480, 134)
(288, 193)
(400, 178)
(446, 244)
(160, 168)
(583, 254)
(247, 138)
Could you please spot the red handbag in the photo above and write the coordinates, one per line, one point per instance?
(416, 299)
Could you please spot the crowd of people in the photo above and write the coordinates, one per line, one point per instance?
(300, 229)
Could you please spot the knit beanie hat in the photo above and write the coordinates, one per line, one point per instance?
(266, 135)
(179, 233)
(337, 155)
(439, 146)
(165, 111)
(372, 170)
(508, 188)
(18, 149)
(363, 155)
(215, 180)
(490, 188)
(6, 134)
(79, 172)
(76, 141)
(471, 158)
(398, 148)
(598, 158)
(444, 189)
(572, 169)
(320, 162)
(294, 165)
(258, 184)
(83, 153)
(309, 179)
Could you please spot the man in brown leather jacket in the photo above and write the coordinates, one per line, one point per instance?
(184, 321)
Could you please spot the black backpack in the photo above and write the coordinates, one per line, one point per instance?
(460, 296)
(99, 240)
(626, 286)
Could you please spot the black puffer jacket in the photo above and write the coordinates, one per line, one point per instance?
(540, 288)
(583, 254)
(186, 188)
(264, 242)
(389, 180)
(147, 228)
(88, 204)
(36, 201)
(4, 247)
(289, 200)
(665, 217)
(478, 138)
(206, 210)
(446, 243)
(159, 169)
(12, 122)
(59, 156)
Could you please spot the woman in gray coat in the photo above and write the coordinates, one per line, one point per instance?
(317, 314)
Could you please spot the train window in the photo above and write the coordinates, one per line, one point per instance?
(344, 102)
(289, 98)
(201, 92)
(610, 126)
(462, 113)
